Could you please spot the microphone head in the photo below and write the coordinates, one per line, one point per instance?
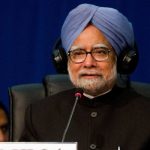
(78, 93)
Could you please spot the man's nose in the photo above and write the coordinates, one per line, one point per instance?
(89, 61)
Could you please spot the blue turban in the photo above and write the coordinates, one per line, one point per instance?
(114, 25)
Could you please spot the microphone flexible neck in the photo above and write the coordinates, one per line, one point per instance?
(77, 97)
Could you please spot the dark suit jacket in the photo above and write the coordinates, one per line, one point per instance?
(118, 118)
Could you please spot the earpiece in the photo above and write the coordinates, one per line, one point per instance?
(59, 57)
(126, 62)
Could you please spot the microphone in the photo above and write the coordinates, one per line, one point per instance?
(78, 95)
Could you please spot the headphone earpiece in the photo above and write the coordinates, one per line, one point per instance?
(127, 60)
(59, 58)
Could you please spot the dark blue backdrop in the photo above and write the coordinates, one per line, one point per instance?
(28, 29)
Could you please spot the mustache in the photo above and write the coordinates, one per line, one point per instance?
(90, 72)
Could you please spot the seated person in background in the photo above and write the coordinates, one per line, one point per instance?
(4, 136)
(106, 117)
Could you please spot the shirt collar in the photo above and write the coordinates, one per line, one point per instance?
(92, 97)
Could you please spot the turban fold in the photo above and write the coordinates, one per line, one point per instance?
(113, 24)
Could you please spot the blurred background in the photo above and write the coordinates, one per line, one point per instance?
(29, 29)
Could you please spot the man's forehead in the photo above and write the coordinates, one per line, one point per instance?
(73, 47)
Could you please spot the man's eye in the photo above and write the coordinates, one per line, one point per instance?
(79, 52)
(101, 50)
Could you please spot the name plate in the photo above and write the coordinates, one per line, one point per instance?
(37, 146)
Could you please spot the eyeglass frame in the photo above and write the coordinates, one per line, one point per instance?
(107, 51)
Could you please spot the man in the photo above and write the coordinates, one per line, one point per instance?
(4, 136)
(106, 117)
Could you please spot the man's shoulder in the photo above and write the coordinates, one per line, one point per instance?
(132, 100)
(60, 98)
(136, 101)
(138, 96)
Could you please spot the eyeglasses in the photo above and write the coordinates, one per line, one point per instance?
(79, 55)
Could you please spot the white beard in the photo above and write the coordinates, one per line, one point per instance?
(95, 86)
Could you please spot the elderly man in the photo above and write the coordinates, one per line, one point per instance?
(106, 117)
